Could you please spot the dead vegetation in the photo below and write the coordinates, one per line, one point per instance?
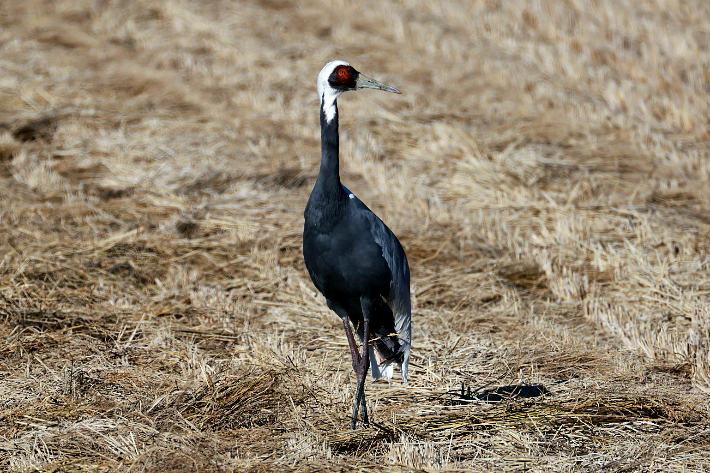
(546, 171)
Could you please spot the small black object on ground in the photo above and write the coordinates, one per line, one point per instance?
(501, 393)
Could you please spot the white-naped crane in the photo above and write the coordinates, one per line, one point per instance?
(354, 260)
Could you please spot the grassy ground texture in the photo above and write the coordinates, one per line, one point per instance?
(547, 170)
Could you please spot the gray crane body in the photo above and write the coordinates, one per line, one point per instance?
(353, 259)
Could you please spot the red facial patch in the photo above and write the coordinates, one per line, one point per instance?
(343, 73)
(343, 78)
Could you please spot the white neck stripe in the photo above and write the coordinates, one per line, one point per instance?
(326, 93)
(329, 107)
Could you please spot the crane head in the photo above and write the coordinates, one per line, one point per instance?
(339, 76)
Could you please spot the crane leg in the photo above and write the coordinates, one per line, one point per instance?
(361, 362)
(361, 371)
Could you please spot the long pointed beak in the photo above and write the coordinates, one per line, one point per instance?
(364, 82)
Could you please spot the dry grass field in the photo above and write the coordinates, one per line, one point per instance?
(547, 170)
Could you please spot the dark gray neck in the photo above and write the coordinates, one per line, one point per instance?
(328, 198)
(329, 174)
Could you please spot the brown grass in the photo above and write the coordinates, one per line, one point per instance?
(546, 170)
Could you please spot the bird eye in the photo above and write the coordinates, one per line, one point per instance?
(342, 72)
(343, 77)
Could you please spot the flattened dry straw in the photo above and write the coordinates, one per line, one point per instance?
(576, 413)
(546, 171)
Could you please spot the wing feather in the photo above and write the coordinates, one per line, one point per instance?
(398, 299)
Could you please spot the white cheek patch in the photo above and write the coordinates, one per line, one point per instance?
(326, 93)
(329, 112)
(328, 102)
